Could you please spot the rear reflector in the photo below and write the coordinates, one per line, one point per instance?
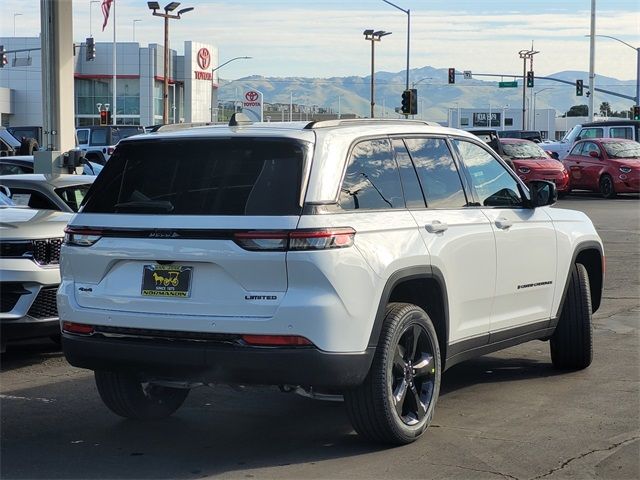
(276, 340)
(296, 240)
(77, 328)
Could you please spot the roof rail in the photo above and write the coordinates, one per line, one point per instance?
(365, 121)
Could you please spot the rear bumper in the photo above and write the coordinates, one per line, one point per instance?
(216, 363)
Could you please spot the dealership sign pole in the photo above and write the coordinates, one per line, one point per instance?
(252, 105)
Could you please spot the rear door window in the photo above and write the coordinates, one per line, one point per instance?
(372, 180)
(592, 133)
(437, 172)
(413, 196)
(197, 176)
(621, 132)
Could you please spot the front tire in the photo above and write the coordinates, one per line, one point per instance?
(127, 396)
(395, 404)
(572, 342)
(607, 189)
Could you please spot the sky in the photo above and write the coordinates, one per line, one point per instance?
(323, 38)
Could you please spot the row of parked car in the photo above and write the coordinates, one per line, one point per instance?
(598, 161)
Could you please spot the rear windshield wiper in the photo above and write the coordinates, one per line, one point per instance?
(145, 206)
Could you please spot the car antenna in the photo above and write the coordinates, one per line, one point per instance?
(238, 119)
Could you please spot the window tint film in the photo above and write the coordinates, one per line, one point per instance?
(492, 183)
(372, 180)
(412, 192)
(437, 172)
(247, 176)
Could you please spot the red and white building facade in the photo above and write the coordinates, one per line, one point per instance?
(193, 85)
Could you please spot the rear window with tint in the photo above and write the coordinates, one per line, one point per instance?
(197, 176)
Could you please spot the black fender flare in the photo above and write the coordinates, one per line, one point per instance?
(410, 273)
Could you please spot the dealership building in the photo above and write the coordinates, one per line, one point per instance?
(193, 85)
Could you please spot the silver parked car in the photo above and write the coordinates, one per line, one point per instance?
(48, 192)
(29, 271)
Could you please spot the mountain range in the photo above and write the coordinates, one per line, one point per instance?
(435, 95)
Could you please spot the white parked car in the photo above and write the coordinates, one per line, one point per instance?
(30, 243)
(342, 257)
(48, 192)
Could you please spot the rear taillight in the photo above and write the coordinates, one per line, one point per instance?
(276, 340)
(77, 328)
(81, 237)
(296, 240)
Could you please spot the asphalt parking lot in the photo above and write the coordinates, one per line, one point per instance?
(505, 415)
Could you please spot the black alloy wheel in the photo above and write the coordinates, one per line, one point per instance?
(606, 187)
(413, 374)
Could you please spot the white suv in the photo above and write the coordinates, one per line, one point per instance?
(358, 258)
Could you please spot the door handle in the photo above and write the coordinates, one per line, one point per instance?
(503, 223)
(436, 227)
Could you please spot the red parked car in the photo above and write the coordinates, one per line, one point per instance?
(531, 162)
(605, 165)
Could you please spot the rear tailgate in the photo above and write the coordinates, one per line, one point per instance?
(159, 231)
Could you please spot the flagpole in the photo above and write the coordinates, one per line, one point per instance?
(113, 107)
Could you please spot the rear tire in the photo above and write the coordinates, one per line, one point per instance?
(572, 342)
(127, 396)
(395, 404)
(607, 189)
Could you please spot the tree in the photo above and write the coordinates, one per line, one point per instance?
(578, 111)
(605, 109)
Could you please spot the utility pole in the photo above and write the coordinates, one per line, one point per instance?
(524, 55)
(592, 60)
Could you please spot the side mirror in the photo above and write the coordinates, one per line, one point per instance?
(594, 154)
(542, 193)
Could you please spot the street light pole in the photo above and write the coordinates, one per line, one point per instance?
(134, 28)
(212, 77)
(373, 37)
(155, 6)
(637, 49)
(408, 12)
(14, 22)
(525, 55)
(592, 60)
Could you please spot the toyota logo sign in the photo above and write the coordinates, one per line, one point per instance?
(204, 58)
(251, 96)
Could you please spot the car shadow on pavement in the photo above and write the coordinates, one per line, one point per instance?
(29, 352)
(491, 369)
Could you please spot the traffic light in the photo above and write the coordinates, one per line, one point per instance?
(105, 117)
(530, 78)
(413, 103)
(579, 88)
(91, 49)
(636, 112)
(3, 57)
(406, 102)
(452, 75)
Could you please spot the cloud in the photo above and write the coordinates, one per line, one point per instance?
(292, 38)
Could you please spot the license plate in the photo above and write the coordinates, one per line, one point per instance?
(166, 281)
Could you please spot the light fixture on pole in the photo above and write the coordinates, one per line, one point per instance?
(212, 78)
(134, 27)
(408, 12)
(373, 36)
(155, 6)
(637, 49)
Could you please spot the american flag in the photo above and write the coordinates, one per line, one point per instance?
(106, 6)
